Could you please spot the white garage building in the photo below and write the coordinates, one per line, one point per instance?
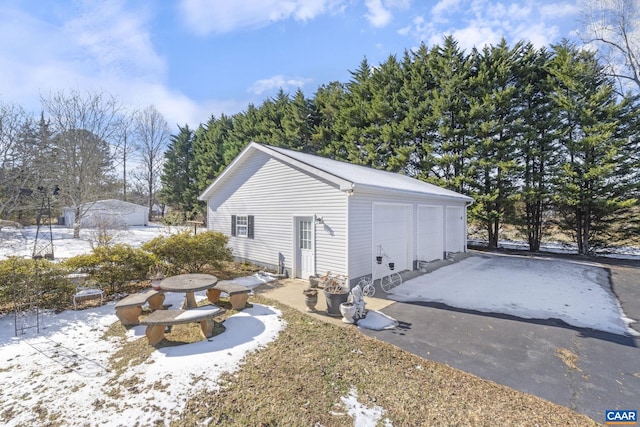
(110, 213)
(309, 215)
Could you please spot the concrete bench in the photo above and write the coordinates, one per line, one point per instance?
(83, 294)
(158, 320)
(128, 309)
(238, 294)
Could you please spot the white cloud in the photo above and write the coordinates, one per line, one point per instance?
(559, 10)
(377, 15)
(277, 82)
(481, 22)
(476, 36)
(204, 17)
(444, 6)
(115, 39)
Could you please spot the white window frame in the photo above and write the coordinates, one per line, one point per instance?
(242, 225)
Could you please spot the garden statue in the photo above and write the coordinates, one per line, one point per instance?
(357, 298)
(353, 309)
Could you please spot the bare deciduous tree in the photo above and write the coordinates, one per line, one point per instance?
(613, 27)
(88, 130)
(152, 136)
(125, 150)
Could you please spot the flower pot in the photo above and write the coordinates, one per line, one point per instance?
(379, 259)
(334, 301)
(314, 281)
(348, 310)
(311, 301)
(392, 265)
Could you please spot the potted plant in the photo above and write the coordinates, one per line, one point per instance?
(310, 298)
(336, 292)
(314, 281)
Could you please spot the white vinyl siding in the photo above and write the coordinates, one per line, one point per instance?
(274, 193)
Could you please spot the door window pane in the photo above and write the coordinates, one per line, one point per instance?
(305, 234)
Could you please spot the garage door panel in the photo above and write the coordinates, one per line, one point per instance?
(430, 243)
(391, 228)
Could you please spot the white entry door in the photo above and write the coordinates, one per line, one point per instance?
(305, 260)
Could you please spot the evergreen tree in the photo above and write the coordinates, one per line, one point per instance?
(327, 102)
(538, 146)
(418, 122)
(387, 146)
(453, 78)
(208, 149)
(593, 186)
(179, 175)
(497, 116)
(297, 122)
(352, 121)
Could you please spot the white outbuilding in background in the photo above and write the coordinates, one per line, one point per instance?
(109, 213)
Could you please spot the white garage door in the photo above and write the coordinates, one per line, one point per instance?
(455, 229)
(430, 232)
(391, 231)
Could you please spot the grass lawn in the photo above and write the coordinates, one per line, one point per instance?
(300, 378)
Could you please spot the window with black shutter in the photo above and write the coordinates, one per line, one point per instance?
(250, 226)
(242, 226)
(233, 225)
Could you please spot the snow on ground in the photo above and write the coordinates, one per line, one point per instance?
(63, 369)
(577, 293)
(69, 358)
(20, 241)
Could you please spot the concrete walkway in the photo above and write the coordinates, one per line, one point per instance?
(289, 292)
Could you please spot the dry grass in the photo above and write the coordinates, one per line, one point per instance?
(299, 379)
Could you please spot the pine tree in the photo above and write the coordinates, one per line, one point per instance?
(538, 146)
(418, 122)
(593, 186)
(178, 178)
(297, 122)
(352, 121)
(453, 79)
(208, 149)
(386, 145)
(496, 113)
(327, 102)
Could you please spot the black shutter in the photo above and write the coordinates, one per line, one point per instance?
(250, 226)
(233, 225)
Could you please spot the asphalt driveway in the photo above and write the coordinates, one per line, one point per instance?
(586, 370)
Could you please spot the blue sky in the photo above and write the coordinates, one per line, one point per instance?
(197, 58)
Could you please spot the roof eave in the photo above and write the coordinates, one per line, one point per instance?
(386, 190)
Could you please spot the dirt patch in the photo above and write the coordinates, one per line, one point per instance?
(568, 357)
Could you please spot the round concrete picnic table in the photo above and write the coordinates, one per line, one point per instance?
(188, 283)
